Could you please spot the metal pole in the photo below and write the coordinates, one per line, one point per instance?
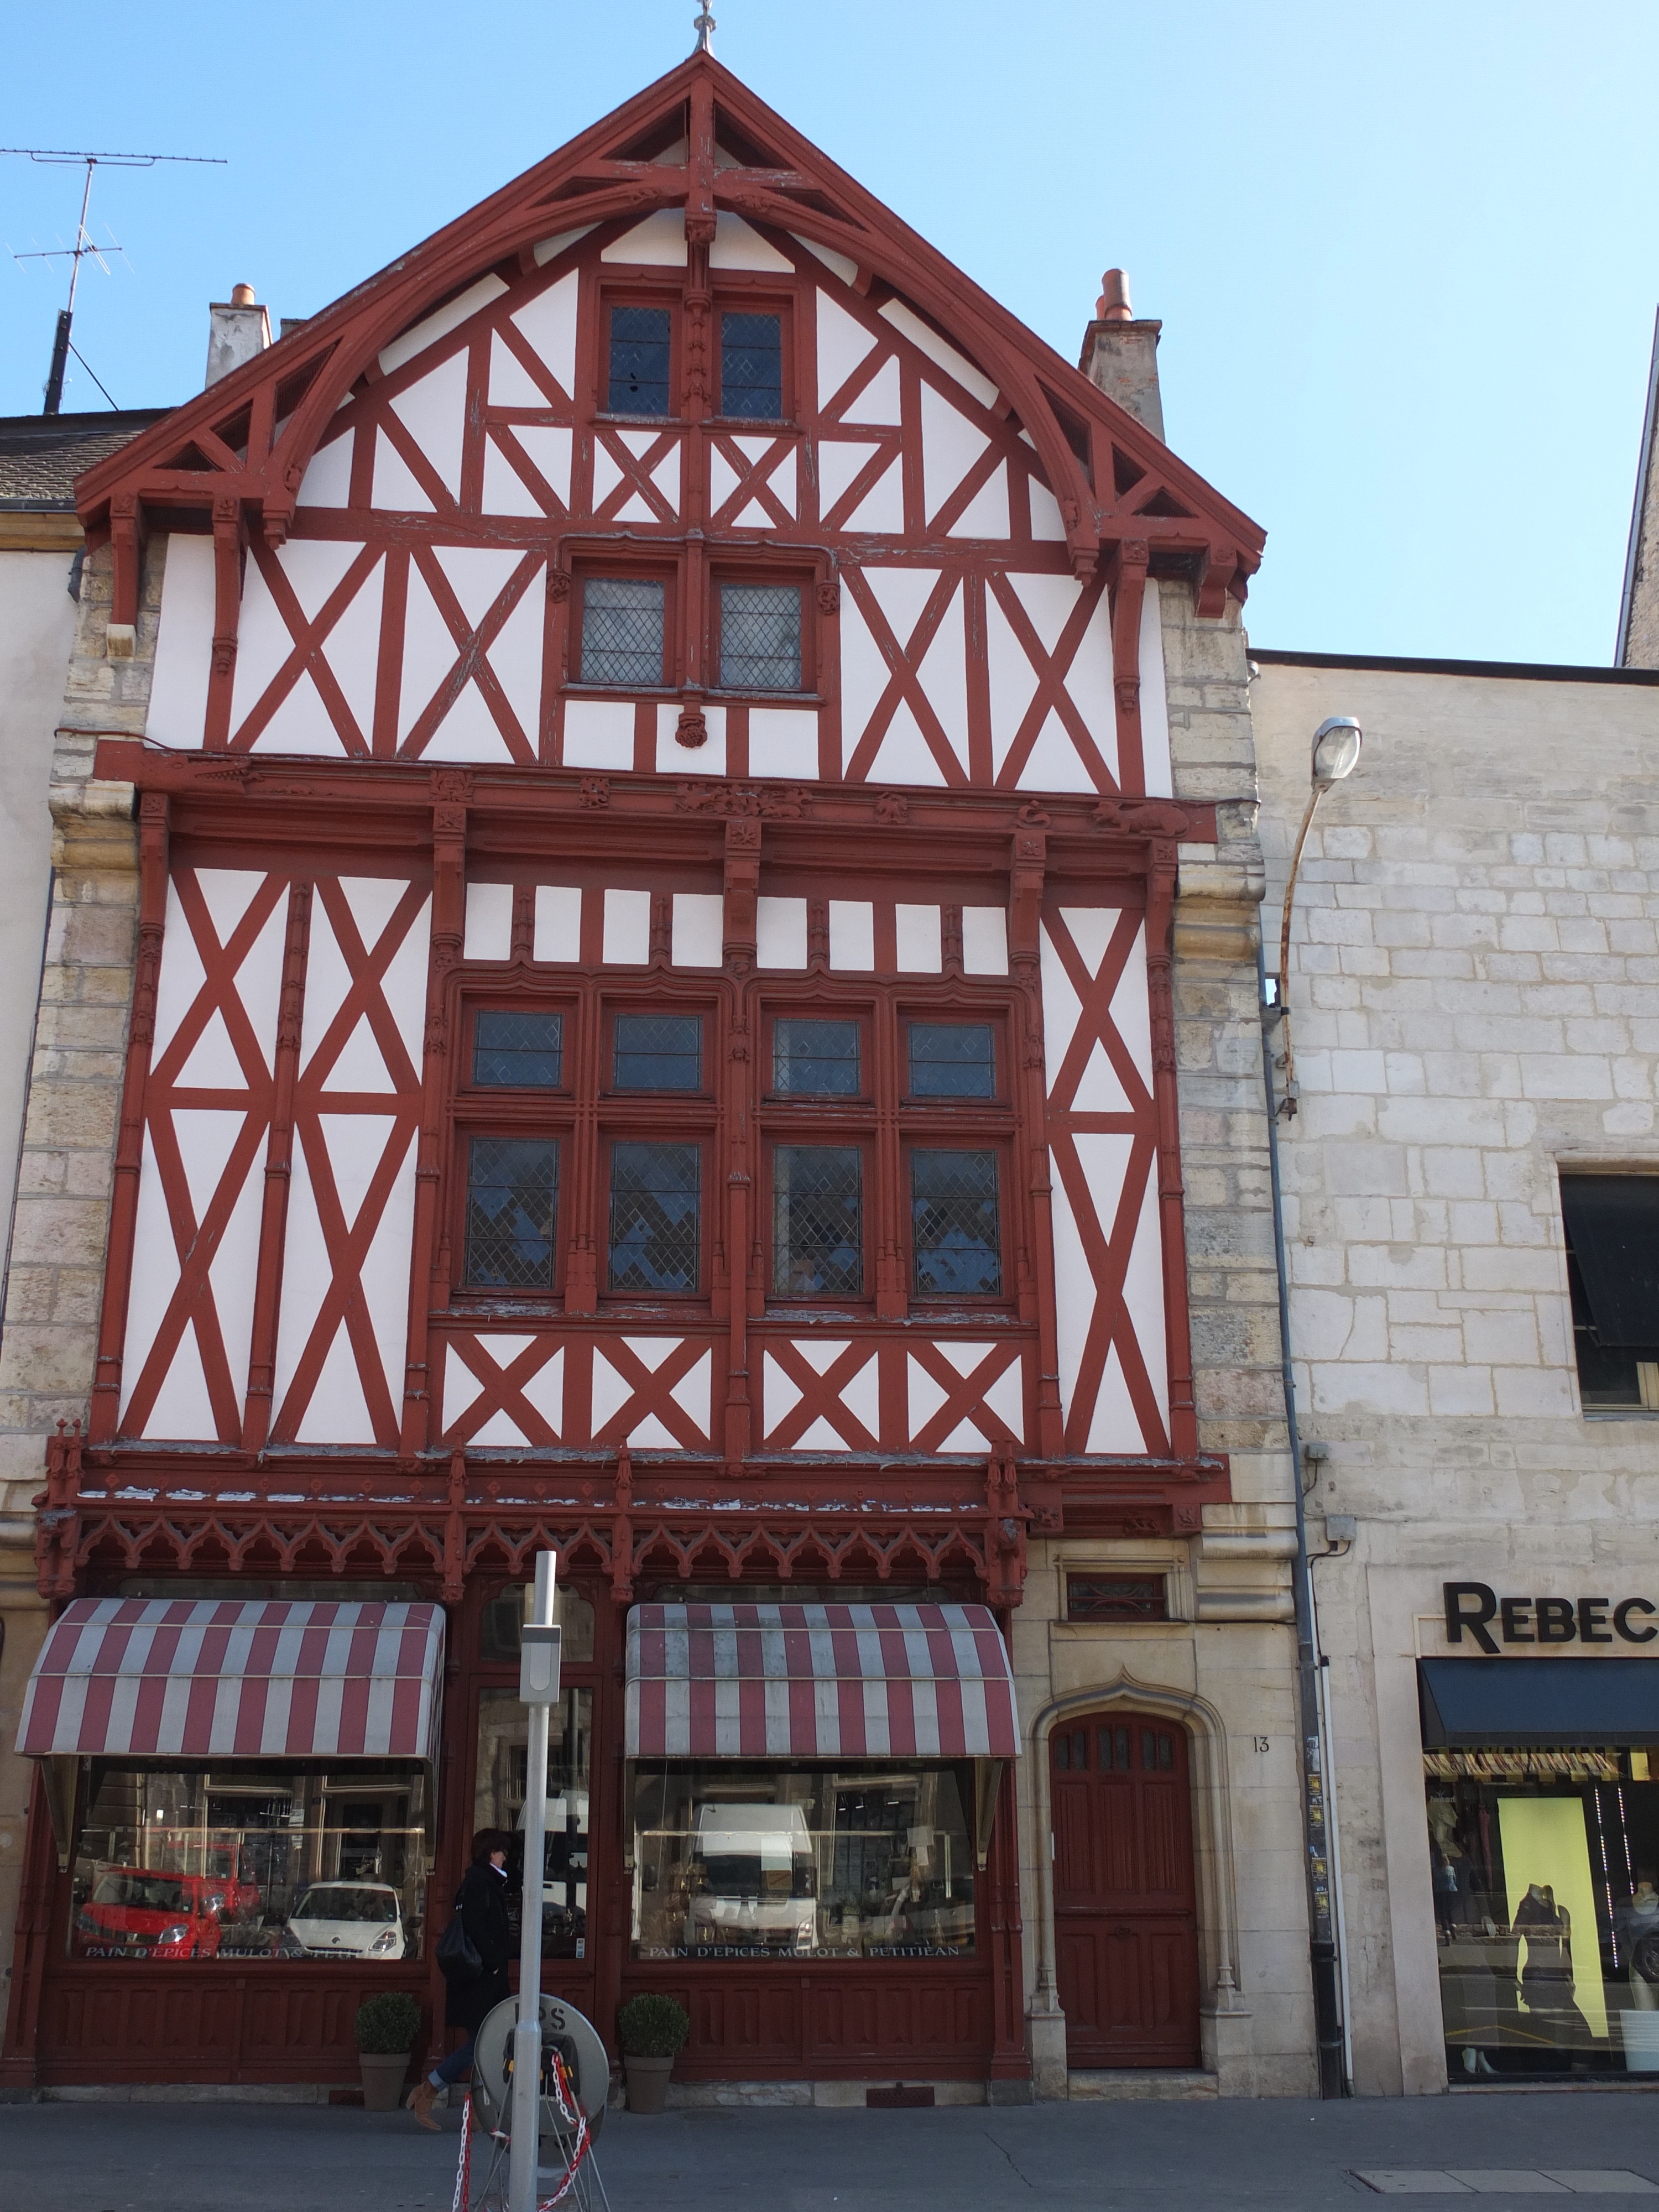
(538, 1685)
(66, 315)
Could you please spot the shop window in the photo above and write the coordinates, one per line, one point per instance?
(1546, 1883)
(751, 367)
(1612, 1225)
(233, 1863)
(623, 631)
(642, 359)
(656, 1052)
(818, 1229)
(498, 1801)
(656, 1236)
(501, 1624)
(955, 1239)
(739, 1861)
(952, 1060)
(1116, 1597)
(518, 1051)
(813, 1059)
(511, 1212)
(760, 637)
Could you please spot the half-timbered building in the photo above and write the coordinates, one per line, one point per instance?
(692, 1001)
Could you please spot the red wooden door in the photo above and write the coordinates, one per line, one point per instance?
(1125, 1930)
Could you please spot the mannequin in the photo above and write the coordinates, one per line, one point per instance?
(1637, 1925)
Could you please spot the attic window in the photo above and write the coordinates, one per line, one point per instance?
(640, 353)
(751, 367)
(1612, 1225)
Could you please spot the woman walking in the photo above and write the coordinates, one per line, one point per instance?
(480, 1901)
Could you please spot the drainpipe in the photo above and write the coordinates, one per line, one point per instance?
(1322, 1948)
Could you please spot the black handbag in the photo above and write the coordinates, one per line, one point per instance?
(457, 1954)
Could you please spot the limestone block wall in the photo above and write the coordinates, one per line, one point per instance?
(1474, 988)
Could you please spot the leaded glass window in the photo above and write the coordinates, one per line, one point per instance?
(815, 1058)
(623, 630)
(511, 1212)
(760, 637)
(751, 367)
(640, 362)
(655, 1193)
(952, 1060)
(817, 1226)
(955, 1241)
(658, 1052)
(520, 1051)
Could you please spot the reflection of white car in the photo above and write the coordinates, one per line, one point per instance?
(349, 1919)
(753, 1879)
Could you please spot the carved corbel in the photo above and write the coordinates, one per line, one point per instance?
(129, 529)
(1215, 580)
(230, 547)
(1128, 586)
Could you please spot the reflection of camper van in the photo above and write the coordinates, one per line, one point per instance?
(753, 1880)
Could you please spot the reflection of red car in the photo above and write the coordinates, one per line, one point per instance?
(133, 1914)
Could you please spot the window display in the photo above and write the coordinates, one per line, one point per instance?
(499, 1802)
(232, 1863)
(753, 1861)
(1546, 1869)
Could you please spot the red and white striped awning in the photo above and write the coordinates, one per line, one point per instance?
(215, 1678)
(818, 1681)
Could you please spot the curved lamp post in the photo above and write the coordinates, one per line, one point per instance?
(1336, 745)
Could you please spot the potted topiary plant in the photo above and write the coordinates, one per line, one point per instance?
(386, 2027)
(650, 2029)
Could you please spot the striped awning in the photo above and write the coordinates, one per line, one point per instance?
(215, 1678)
(818, 1681)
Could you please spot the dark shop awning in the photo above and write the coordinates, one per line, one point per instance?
(1612, 1226)
(1534, 1704)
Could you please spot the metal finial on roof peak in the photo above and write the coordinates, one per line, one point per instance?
(704, 24)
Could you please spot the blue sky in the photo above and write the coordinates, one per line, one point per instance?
(1407, 259)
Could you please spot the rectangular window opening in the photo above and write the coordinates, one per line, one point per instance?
(624, 630)
(655, 1217)
(956, 1242)
(760, 637)
(640, 362)
(952, 1060)
(1612, 1225)
(511, 1212)
(518, 1051)
(658, 1052)
(1116, 1597)
(817, 1238)
(813, 1059)
(751, 367)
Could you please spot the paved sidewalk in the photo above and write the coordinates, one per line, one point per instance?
(1222, 2157)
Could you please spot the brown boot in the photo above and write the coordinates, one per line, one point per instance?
(421, 2099)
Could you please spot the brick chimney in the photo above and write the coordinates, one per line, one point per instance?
(1121, 354)
(238, 328)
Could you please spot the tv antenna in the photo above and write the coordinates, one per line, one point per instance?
(59, 156)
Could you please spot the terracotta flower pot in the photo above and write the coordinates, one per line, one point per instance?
(384, 2075)
(648, 2083)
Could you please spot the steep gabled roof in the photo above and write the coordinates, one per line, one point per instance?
(697, 139)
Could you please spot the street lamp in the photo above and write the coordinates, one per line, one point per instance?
(1335, 756)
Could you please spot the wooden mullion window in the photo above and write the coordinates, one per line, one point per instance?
(623, 632)
(741, 358)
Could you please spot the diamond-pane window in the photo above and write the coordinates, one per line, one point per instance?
(639, 361)
(952, 1060)
(623, 630)
(816, 1060)
(524, 1051)
(818, 1242)
(658, 1052)
(751, 367)
(957, 1248)
(511, 1212)
(655, 1191)
(760, 637)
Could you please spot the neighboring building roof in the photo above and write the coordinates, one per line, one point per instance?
(1519, 671)
(41, 455)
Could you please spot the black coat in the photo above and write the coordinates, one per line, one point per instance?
(482, 1899)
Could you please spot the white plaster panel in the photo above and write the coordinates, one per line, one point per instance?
(395, 488)
(489, 921)
(429, 653)
(1048, 525)
(675, 759)
(327, 981)
(844, 268)
(598, 734)
(184, 645)
(548, 322)
(233, 1277)
(1011, 678)
(783, 741)
(441, 323)
(1054, 762)
(951, 444)
(515, 658)
(353, 651)
(843, 342)
(985, 941)
(264, 641)
(1154, 697)
(882, 508)
(360, 1065)
(916, 930)
(505, 491)
(1113, 1425)
(780, 1394)
(478, 575)
(1143, 1287)
(667, 476)
(227, 893)
(547, 446)
(737, 245)
(212, 1065)
(861, 1395)
(627, 928)
(182, 1408)
(434, 412)
(327, 479)
(511, 384)
(385, 1274)
(545, 1391)
(300, 725)
(927, 341)
(1131, 1012)
(1007, 1397)
(155, 1272)
(694, 1391)
(944, 677)
(403, 985)
(839, 461)
(880, 401)
(609, 1393)
(1061, 1007)
(1074, 1294)
(723, 480)
(338, 1410)
(852, 935)
(607, 473)
(658, 242)
(986, 514)
(550, 249)
(926, 1395)
(467, 732)
(864, 673)
(460, 1387)
(500, 1429)
(179, 982)
(699, 929)
(781, 932)
(558, 922)
(308, 1271)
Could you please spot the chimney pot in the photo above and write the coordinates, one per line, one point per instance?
(1112, 305)
(241, 295)
(1119, 354)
